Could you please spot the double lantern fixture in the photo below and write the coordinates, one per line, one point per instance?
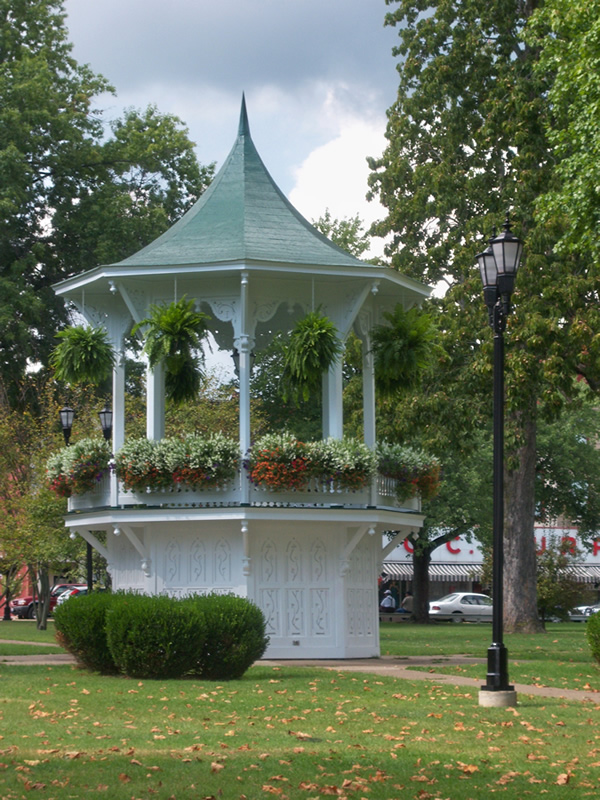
(67, 415)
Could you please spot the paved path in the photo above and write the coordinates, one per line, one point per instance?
(387, 666)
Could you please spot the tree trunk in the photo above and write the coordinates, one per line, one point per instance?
(520, 590)
(421, 560)
(43, 607)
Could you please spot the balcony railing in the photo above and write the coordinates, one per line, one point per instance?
(317, 494)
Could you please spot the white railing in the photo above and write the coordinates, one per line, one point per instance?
(317, 494)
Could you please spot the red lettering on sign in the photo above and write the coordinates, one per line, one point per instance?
(542, 546)
(408, 546)
(453, 549)
(596, 549)
(572, 543)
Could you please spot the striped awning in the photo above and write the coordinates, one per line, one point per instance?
(586, 573)
(403, 570)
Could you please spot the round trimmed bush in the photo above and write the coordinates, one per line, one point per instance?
(592, 632)
(81, 629)
(235, 636)
(154, 636)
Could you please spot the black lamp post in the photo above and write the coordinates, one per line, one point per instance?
(67, 415)
(498, 265)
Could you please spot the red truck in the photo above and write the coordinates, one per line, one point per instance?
(24, 607)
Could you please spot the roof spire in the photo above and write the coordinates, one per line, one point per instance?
(244, 127)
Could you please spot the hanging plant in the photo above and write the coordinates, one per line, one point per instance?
(314, 347)
(403, 349)
(83, 355)
(174, 336)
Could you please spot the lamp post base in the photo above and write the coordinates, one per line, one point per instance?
(497, 699)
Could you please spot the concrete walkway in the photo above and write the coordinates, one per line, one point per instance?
(405, 668)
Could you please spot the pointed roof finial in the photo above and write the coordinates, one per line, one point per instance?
(244, 127)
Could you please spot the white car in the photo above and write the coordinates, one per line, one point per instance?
(584, 611)
(462, 607)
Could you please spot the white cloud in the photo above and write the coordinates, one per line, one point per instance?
(334, 175)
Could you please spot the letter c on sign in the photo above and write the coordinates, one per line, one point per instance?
(408, 546)
(451, 549)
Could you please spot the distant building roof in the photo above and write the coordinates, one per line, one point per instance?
(242, 216)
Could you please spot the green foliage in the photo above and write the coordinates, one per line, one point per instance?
(81, 629)
(567, 33)
(348, 233)
(300, 417)
(592, 634)
(174, 337)
(83, 355)
(71, 196)
(467, 141)
(403, 349)
(234, 636)
(313, 347)
(154, 637)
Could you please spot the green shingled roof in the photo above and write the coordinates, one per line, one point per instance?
(242, 216)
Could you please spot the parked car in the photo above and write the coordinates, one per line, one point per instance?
(76, 592)
(461, 607)
(24, 607)
(583, 612)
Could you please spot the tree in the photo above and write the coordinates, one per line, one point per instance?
(348, 232)
(467, 142)
(567, 33)
(70, 197)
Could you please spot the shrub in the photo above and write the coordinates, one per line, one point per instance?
(154, 637)
(81, 629)
(235, 636)
(592, 632)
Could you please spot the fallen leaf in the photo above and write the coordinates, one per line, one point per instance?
(563, 778)
(216, 767)
(124, 778)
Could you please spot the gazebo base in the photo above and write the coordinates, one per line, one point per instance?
(313, 573)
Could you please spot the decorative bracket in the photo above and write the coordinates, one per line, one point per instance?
(89, 537)
(351, 546)
(146, 561)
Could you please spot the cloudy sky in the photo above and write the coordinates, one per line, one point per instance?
(318, 77)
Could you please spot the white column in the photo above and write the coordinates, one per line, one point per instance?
(155, 402)
(244, 347)
(333, 413)
(369, 432)
(118, 430)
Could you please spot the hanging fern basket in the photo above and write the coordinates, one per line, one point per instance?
(313, 348)
(83, 355)
(402, 349)
(174, 335)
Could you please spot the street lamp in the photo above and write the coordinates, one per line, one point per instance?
(498, 265)
(67, 415)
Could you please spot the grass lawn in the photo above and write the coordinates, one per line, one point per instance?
(560, 658)
(298, 732)
(34, 642)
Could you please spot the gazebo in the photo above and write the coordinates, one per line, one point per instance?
(309, 559)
